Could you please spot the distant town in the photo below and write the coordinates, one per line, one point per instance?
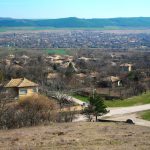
(124, 39)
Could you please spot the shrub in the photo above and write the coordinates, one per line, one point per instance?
(38, 109)
(38, 103)
(66, 116)
(29, 111)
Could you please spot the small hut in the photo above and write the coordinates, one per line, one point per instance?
(20, 88)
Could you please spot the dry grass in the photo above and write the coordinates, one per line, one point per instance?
(77, 136)
(29, 111)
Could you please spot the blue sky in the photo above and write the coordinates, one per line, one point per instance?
(74, 8)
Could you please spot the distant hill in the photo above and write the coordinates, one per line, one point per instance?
(72, 22)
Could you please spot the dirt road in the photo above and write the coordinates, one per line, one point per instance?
(133, 117)
(122, 114)
(127, 110)
(119, 113)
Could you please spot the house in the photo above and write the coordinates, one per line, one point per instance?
(20, 88)
(115, 81)
(80, 77)
(11, 56)
(111, 81)
(71, 69)
(85, 59)
(126, 67)
(25, 59)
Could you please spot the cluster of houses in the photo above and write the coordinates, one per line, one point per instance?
(21, 87)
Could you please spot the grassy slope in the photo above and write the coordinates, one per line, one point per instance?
(145, 115)
(136, 100)
(77, 136)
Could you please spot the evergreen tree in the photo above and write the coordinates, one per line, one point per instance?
(96, 106)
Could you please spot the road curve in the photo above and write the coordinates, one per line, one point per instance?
(126, 110)
(122, 114)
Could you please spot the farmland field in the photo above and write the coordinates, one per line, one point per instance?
(57, 51)
(9, 29)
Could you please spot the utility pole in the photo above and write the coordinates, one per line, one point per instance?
(94, 92)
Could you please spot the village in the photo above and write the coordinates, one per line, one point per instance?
(52, 93)
(120, 76)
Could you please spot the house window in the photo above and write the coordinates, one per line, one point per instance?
(23, 91)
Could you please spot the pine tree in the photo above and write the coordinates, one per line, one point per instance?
(96, 106)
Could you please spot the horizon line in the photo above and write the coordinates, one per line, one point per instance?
(69, 17)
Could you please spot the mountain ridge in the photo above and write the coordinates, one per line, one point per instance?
(73, 22)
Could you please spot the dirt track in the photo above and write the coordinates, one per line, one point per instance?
(122, 114)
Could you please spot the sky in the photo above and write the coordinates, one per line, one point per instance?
(42, 9)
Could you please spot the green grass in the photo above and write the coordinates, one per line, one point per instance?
(145, 115)
(82, 98)
(136, 100)
(57, 51)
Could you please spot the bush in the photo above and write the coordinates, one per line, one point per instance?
(66, 116)
(29, 111)
(37, 103)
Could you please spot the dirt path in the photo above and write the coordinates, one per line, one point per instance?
(122, 114)
(134, 118)
(127, 110)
